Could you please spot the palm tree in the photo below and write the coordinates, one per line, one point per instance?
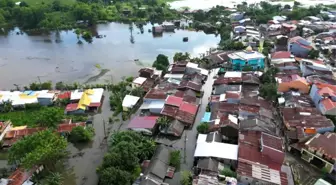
(163, 122)
(54, 178)
(7, 106)
(137, 91)
(146, 149)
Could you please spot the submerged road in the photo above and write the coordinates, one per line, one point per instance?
(188, 140)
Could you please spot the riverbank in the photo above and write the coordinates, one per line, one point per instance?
(206, 4)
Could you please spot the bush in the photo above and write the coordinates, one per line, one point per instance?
(229, 173)
(186, 178)
(203, 128)
(175, 158)
(80, 134)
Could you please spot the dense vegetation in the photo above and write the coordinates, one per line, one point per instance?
(81, 134)
(57, 14)
(268, 89)
(38, 116)
(121, 164)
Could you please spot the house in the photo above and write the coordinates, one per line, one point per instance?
(158, 168)
(319, 151)
(324, 98)
(18, 98)
(207, 165)
(21, 176)
(281, 57)
(87, 100)
(175, 129)
(228, 126)
(189, 96)
(299, 46)
(292, 82)
(146, 72)
(137, 82)
(129, 102)
(247, 58)
(237, 16)
(210, 145)
(257, 125)
(311, 67)
(295, 99)
(154, 101)
(260, 159)
(46, 98)
(249, 78)
(187, 113)
(239, 29)
(143, 124)
(192, 68)
(309, 119)
(229, 97)
(220, 89)
(184, 85)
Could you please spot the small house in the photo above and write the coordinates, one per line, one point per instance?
(299, 46)
(145, 124)
(137, 82)
(46, 98)
(129, 102)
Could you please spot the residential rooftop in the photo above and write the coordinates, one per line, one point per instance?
(323, 144)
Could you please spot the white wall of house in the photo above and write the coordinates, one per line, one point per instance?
(144, 130)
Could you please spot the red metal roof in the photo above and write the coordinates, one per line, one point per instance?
(281, 54)
(64, 95)
(174, 101)
(325, 144)
(143, 122)
(190, 85)
(71, 107)
(179, 94)
(68, 127)
(249, 150)
(95, 105)
(169, 110)
(20, 175)
(185, 117)
(328, 104)
(155, 94)
(272, 141)
(188, 107)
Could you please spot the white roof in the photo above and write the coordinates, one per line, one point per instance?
(16, 99)
(176, 76)
(204, 71)
(222, 97)
(246, 55)
(129, 101)
(158, 104)
(215, 149)
(321, 182)
(282, 60)
(281, 100)
(45, 95)
(139, 80)
(76, 94)
(252, 31)
(233, 74)
(192, 65)
(97, 95)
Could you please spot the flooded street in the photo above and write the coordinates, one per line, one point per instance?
(58, 57)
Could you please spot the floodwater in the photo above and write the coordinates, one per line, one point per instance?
(56, 56)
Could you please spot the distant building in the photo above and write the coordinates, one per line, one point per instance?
(324, 97)
(247, 58)
(237, 16)
(299, 46)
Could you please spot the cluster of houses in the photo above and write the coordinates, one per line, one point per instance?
(176, 95)
(307, 100)
(243, 135)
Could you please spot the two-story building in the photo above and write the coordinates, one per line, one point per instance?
(299, 46)
(247, 58)
(324, 98)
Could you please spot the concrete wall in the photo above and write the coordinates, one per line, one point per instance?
(143, 130)
(239, 64)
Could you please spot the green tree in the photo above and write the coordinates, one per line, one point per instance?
(269, 91)
(161, 62)
(113, 175)
(81, 134)
(203, 128)
(186, 178)
(228, 173)
(42, 148)
(179, 56)
(146, 149)
(313, 54)
(54, 178)
(138, 91)
(163, 122)
(49, 117)
(175, 158)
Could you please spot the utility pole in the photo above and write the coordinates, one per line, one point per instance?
(38, 77)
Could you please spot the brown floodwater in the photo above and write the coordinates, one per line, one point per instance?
(56, 56)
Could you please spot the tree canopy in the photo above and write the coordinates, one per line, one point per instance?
(81, 134)
(161, 62)
(121, 163)
(203, 128)
(42, 148)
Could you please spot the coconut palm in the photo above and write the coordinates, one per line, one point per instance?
(54, 178)
(146, 149)
(163, 122)
(137, 91)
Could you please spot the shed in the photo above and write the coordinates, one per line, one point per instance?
(145, 124)
(129, 102)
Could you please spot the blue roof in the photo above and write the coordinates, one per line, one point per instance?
(27, 92)
(206, 117)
